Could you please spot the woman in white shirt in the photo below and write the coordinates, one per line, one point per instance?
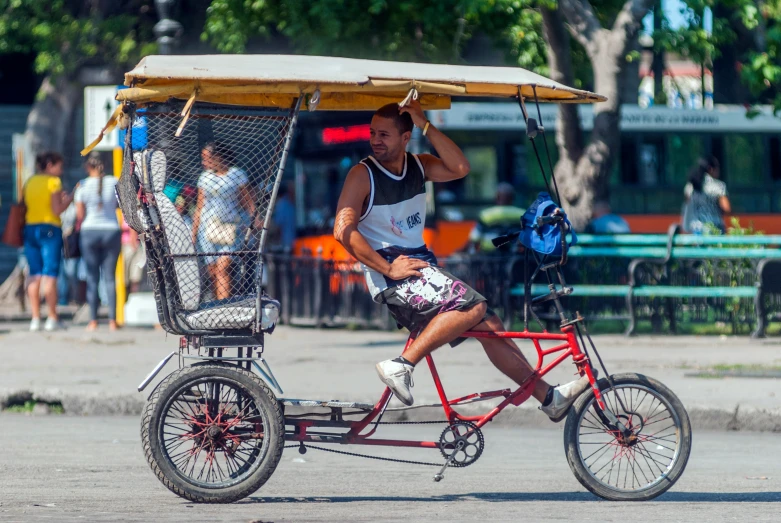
(223, 212)
(706, 199)
(100, 237)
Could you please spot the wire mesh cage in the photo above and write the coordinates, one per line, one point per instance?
(201, 190)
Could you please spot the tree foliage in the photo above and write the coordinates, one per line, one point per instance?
(760, 66)
(65, 35)
(435, 31)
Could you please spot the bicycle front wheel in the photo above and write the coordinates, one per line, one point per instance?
(628, 467)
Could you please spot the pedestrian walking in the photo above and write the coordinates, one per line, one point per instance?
(706, 199)
(101, 237)
(45, 201)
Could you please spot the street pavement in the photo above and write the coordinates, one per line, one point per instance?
(68, 468)
(97, 373)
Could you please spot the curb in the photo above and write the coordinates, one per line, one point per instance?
(741, 418)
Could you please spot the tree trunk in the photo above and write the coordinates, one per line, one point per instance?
(50, 121)
(588, 182)
(583, 174)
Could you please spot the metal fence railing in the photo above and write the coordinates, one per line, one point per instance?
(320, 292)
(315, 291)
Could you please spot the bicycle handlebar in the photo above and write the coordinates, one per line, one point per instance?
(507, 238)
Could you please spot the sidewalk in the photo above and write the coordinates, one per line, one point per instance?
(97, 373)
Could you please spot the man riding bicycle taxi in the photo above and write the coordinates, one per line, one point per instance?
(379, 220)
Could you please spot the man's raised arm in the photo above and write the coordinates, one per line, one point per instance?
(348, 212)
(451, 164)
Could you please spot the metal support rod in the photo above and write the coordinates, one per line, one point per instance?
(155, 371)
(264, 233)
(268, 376)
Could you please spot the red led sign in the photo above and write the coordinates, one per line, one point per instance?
(353, 133)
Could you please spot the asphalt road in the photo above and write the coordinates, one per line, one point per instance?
(62, 468)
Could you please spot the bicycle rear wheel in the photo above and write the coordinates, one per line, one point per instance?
(635, 467)
(213, 433)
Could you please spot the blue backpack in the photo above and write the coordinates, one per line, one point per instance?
(547, 238)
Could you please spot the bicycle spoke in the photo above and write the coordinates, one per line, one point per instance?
(640, 457)
(202, 432)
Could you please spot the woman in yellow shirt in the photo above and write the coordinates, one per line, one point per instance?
(45, 201)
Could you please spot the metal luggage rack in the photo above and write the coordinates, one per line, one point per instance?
(249, 355)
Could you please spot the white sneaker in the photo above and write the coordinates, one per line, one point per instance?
(53, 325)
(563, 398)
(35, 324)
(398, 377)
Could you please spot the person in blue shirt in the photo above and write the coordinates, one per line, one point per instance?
(605, 222)
(284, 219)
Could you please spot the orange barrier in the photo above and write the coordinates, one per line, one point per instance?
(659, 223)
(451, 237)
(446, 239)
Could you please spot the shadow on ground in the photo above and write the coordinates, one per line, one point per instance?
(671, 497)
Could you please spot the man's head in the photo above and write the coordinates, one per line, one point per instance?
(390, 133)
(505, 194)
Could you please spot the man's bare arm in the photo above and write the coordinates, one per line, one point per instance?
(348, 212)
(451, 164)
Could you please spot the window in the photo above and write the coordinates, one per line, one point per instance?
(683, 151)
(744, 159)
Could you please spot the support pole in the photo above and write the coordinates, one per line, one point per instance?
(120, 272)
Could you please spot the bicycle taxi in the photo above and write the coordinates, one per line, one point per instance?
(214, 429)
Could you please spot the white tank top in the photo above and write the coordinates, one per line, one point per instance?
(396, 213)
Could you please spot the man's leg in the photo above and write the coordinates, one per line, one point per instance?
(507, 357)
(444, 328)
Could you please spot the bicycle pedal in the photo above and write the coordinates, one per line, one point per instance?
(438, 477)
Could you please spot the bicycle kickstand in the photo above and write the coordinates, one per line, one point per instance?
(439, 476)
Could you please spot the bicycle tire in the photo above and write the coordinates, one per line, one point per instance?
(156, 454)
(683, 439)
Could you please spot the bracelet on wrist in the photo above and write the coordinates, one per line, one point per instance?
(425, 127)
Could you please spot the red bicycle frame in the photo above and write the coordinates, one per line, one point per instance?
(568, 347)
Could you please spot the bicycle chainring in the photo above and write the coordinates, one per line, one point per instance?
(463, 439)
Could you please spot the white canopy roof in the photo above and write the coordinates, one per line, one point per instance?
(344, 83)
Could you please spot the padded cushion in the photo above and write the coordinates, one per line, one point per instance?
(234, 313)
(178, 235)
(179, 239)
(156, 168)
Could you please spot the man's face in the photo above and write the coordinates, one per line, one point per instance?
(386, 141)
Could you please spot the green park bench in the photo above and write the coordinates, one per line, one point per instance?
(661, 270)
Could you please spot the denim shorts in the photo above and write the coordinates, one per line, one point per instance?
(43, 249)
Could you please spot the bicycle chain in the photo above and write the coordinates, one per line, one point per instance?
(379, 458)
(410, 422)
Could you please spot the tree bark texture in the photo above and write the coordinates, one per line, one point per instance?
(51, 119)
(583, 171)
